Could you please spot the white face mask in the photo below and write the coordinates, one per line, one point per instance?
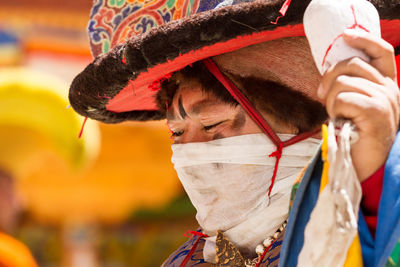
(227, 180)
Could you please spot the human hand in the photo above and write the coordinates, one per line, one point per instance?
(367, 94)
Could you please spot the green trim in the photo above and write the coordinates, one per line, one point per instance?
(394, 259)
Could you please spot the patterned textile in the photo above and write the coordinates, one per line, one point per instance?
(115, 21)
(176, 258)
(271, 258)
(227, 254)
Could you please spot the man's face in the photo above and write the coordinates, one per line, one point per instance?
(197, 116)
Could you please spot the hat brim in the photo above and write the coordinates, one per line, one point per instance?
(112, 91)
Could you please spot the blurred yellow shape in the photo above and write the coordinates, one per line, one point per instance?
(37, 103)
(39, 143)
(132, 171)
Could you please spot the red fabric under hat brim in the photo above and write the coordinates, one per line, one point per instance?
(138, 96)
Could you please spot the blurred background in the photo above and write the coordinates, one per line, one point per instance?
(110, 198)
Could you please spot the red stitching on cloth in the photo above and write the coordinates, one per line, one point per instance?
(355, 25)
(133, 87)
(282, 11)
(192, 250)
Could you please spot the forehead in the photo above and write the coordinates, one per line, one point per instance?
(287, 61)
(190, 97)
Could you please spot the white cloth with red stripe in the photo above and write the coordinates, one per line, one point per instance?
(227, 181)
(324, 22)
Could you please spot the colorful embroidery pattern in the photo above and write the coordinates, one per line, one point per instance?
(176, 258)
(115, 21)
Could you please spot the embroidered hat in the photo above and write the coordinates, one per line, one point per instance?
(139, 43)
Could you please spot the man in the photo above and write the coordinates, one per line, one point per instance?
(274, 108)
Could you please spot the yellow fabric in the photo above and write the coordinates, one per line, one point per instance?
(13, 253)
(354, 256)
(324, 155)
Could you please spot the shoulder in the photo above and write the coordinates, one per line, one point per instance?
(177, 257)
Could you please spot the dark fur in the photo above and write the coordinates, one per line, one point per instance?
(100, 81)
(107, 75)
(288, 106)
(198, 73)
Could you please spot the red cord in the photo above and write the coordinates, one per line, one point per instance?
(256, 116)
(194, 233)
(263, 255)
(277, 154)
(193, 249)
(83, 126)
(243, 101)
(282, 11)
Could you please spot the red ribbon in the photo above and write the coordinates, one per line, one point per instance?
(256, 116)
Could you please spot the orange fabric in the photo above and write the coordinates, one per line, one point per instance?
(13, 253)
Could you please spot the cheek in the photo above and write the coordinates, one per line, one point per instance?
(239, 121)
(245, 125)
(242, 124)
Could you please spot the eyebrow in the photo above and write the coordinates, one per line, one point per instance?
(182, 110)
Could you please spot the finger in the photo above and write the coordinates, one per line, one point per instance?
(380, 93)
(351, 84)
(380, 51)
(351, 67)
(353, 106)
(345, 83)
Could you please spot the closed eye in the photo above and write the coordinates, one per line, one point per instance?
(176, 133)
(209, 127)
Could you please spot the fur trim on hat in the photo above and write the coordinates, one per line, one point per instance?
(107, 75)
